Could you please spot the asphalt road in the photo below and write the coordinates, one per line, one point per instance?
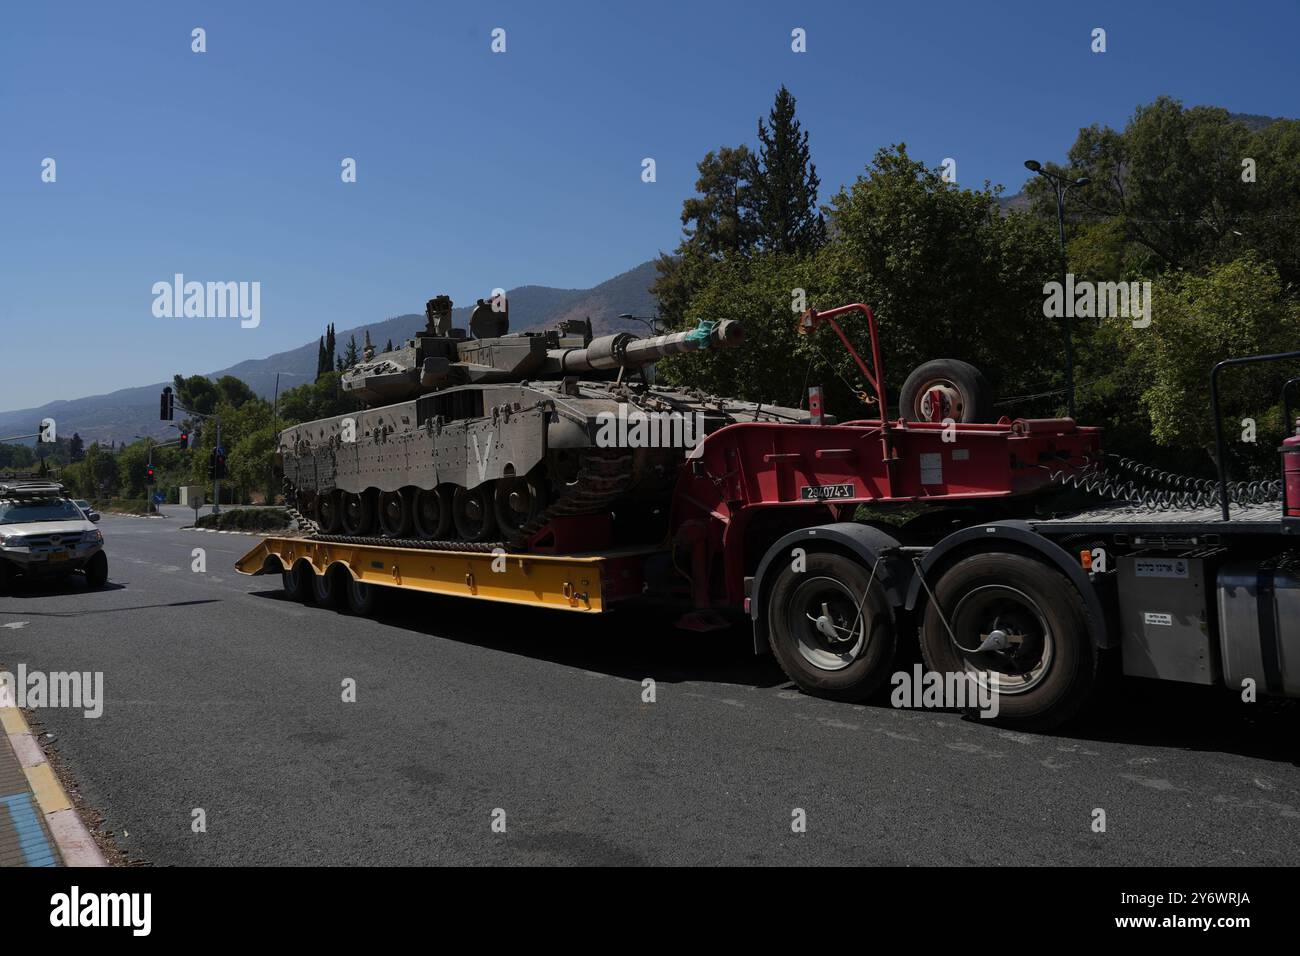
(223, 695)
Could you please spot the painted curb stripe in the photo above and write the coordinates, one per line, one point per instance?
(75, 844)
(31, 838)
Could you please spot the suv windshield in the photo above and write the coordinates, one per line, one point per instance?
(39, 509)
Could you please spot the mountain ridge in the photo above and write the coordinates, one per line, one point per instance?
(122, 414)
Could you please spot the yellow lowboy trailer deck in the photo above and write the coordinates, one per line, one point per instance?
(334, 573)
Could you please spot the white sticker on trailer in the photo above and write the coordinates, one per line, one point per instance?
(1160, 568)
(1164, 619)
(931, 468)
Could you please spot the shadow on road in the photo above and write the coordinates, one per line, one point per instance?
(644, 643)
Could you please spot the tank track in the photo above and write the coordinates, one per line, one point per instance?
(603, 477)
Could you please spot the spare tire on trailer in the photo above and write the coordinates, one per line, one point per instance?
(962, 386)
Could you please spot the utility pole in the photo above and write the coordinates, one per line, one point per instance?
(1061, 186)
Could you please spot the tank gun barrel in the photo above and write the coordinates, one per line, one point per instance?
(626, 350)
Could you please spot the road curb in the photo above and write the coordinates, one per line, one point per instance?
(75, 844)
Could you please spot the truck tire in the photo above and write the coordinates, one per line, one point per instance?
(297, 581)
(972, 399)
(854, 663)
(97, 571)
(1048, 668)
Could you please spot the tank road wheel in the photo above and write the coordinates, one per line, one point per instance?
(297, 581)
(821, 639)
(1038, 656)
(395, 513)
(472, 512)
(360, 597)
(432, 514)
(328, 514)
(518, 501)
(358, 512)
(946, 388)
(327, 588)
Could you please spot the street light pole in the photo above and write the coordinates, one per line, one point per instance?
(1061, 185)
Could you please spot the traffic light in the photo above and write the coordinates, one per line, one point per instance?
(217, 464)
(185, 440)
(148, 475)
(167, 405)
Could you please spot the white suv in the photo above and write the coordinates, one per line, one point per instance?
(42, 532)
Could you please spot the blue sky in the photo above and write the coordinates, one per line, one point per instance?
(477, 169)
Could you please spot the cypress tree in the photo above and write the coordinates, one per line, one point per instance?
(784, 184)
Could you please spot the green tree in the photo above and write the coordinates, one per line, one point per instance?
(1188, 187)
(1237, 308)
(76, 448)
(351, 357)
(783, 184)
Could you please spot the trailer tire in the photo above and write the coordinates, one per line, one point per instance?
(1037, 609)
(326, 589)
(972, 397)
(819, 665)
(297, 581)
(360, 596)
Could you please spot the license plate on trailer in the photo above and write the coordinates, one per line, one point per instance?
(824, 492)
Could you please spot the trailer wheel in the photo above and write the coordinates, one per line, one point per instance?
(473, 513)
(361, 597)
(946, 388)
(297, 581)
(1038, 655)
(432, 514)
(327, 589)
(831, 635)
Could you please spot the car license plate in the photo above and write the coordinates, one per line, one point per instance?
(58, 555)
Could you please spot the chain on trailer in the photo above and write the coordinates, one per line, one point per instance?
(1181, 492)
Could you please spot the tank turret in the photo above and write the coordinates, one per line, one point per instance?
(440, 356)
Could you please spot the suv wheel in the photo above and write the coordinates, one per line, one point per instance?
(97, 571)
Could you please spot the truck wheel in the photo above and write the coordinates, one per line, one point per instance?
(326, 589)
(360, 597)
(97, 571)
(297, 581)
(1040, 660)
(946, 388)
(432, 514)
(819, 637)
(473, 513)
